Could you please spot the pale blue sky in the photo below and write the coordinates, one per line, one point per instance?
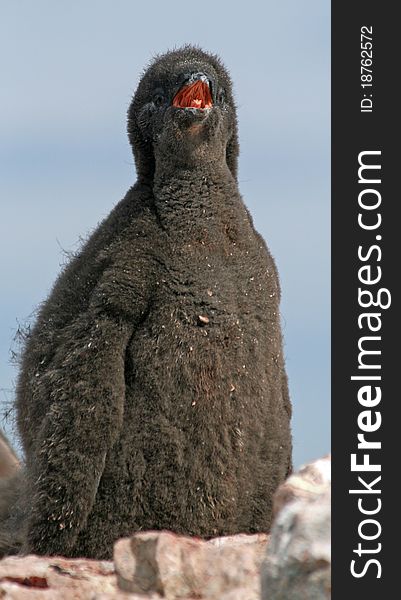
(68, 70)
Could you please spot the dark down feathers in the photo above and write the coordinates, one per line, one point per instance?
(152, 392)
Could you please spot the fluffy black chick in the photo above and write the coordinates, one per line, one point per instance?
(152, 392)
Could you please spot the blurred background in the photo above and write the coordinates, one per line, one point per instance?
(68, 70)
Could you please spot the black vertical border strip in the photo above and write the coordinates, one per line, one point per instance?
(352, 133)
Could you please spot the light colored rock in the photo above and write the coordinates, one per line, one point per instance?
(119, 595)
(259, 540)
(241, 593)
(150, 566)
(55, 578)
(298, 557)
(310, 481)
(179, 567)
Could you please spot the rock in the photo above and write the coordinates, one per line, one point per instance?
(56, 578)
(310, 481)
(179, 567)
(298, 558)
(149, 566)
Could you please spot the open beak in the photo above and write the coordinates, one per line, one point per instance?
(194, 95)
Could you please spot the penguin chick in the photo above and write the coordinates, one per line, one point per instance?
(153, 393)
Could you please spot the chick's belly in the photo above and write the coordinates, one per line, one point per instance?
(177, 356)
(190, 404)
(202, 388)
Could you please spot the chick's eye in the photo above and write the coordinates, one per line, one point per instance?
(221, 96)
(158, 99)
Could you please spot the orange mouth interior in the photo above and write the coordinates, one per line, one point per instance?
(196, 95)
